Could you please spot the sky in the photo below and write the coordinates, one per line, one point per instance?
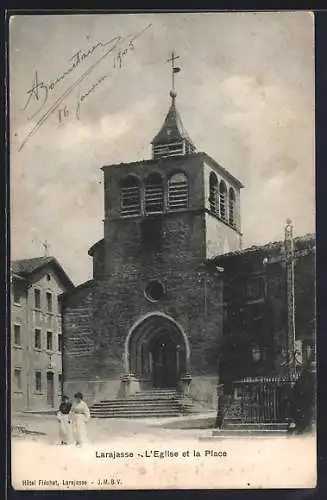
(245, 94)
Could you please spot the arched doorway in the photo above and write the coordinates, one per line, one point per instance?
(157, 352)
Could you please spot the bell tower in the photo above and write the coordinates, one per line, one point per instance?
(179, 205)
(155, 302)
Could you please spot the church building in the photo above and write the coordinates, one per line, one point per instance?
(154, 314)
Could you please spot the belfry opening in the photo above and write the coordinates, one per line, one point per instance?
(157, 352)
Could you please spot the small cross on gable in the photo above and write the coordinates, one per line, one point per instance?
(46, 248)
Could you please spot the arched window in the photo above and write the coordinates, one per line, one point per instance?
(130, 196)
(177, 192)
(232, 200)
(213, 194)
(154, 194)
(222, 200)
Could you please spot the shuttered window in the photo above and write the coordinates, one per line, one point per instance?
(222, 200)
(213, 194)
(167, 150)
(154, 194)
(130, 196)
(232, 200)
(177, 192)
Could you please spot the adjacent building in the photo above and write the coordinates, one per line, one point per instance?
(36, 336)
(257, 311)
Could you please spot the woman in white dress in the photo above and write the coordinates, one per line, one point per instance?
(80, 415)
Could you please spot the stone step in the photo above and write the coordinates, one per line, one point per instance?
(153, 395)
(152, 409)
(140, 400)
(134, 412)
(251, 428)
(165, 401)
(145, 414)
(156, 391)
(131, 410)
(152, 403)
(137, 415)
(151, 406)
(248, 432)
(273, 426)
(136, 403)
(151, 398)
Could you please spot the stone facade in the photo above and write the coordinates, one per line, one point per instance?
(169, 248)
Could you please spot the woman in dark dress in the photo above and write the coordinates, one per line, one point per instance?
(64, 419)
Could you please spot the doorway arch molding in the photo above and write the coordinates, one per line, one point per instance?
(143, 320)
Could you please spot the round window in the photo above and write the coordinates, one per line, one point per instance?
(154, 291)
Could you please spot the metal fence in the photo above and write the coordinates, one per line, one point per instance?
(261, 400)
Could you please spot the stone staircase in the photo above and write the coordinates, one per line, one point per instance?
(156, 403)
(252, 429)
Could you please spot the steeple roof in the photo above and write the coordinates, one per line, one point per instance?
(172, 139)
(172, 129)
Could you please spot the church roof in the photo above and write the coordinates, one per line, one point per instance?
(89, 284)
(26, 267)
(172, 129)
(221, 169)
(307, 241)
(171, 159)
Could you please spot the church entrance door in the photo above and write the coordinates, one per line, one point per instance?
(157, 352)
(164, 362)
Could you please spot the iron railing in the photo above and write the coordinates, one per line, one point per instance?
(261, 400)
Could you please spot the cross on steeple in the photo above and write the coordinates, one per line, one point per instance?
(45, 245)
(174, 69)
(172, 139)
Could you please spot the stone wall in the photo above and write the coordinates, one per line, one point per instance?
(192, 298)
(77, 326)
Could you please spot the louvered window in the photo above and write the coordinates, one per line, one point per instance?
(167, 150)
(232, 200)
(130, 196)
(213, 194)
(178, 192)
(222, 201)
(154, 194)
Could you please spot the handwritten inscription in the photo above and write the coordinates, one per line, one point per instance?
(63, 114)
(40, 90)
(82, 98)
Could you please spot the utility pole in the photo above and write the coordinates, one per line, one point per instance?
(290, 287)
